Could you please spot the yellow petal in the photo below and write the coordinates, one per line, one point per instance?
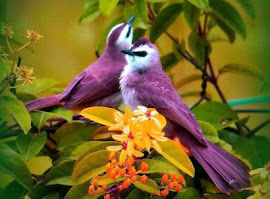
(114, 148)
(162, 139)
(130, 148)
(138, 153)
(123, 156)
(120, 138)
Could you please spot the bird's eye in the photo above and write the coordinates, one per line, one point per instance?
(140, 53)
(128, 32)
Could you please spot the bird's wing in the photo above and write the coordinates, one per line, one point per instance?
(158, 92)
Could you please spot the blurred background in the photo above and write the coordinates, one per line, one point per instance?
(68, 47)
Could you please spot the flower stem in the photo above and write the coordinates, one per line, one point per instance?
(25, 45)
(9, 46)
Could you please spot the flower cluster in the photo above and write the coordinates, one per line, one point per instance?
(7, 31)
(25, 74)
(261, 182)
(125, 174)
(33, 36)
(141, 129)
(174, 183)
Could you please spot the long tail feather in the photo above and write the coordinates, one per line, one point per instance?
(43, 103)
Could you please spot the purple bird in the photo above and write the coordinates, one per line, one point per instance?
(143, 82)
(98, 84)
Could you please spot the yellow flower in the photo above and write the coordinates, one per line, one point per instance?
(122, 120)
(145, 114)
(33, 36)
(7, 31)
(24, 73)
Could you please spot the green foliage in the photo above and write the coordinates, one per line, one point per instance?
(107, 6)
(202, 4)
(192, 15)
(150, 186)
(164, 19)
(30, 145)
(209, 131)
(189, 193)
(90, 13)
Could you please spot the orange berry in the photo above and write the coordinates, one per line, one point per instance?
(125, 185)
(114, 162)
(107, 196)
(120, 187)
(129, 161)
(171, 185)
(113, 174)
(95, 182)
(122, 172)
(144, 166)
(144, 179)
(173, 177)
(165, 192)
(132, 171)
(92, 188)
(181, 178)
(128, 180)
(112, 156)
(178, 188)
(108, 167)
(104, 186)
(175, 183)
(91, 193)
(165, 178)
(134, 178)
(99, 190)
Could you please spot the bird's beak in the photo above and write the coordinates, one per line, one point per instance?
(130, 21)
(127, 51)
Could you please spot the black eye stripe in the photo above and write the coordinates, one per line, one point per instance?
(128, 33)
(140, 53)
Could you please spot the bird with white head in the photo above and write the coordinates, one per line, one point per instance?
(143, 82)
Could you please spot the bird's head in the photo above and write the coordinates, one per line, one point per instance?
(121, 35)
(142, 55)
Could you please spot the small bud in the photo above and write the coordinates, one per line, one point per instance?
(112, 156)
(117, 170)
(132, 171)
(173, 177)
(128, 180)
(108, 167)
(144, 179)
(91, 193)
(113, 175)
(95, 182)
(108, 196)
(129, 161)
(133, 178)
(114, 162)
(171, 185)
(165, 192)
(165, 178)
(178, 188)
(122, 172)
(175, 183)
(104, 186)
(125, 184)
(144, 166)
(99, 190)
(91, 190)
(181, 178)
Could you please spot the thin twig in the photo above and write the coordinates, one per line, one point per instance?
(259, 127)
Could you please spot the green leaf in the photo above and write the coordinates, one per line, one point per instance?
(95, 148)
(248, 6)
(25, 97)
(138, 33)
(105, 179)
(13, 191)
(156, 166)
(169, 61)
(253, 149)
(18, 111)
(80, 149)
(11, 163)
(229, 15)
(90, 166)
(174, 154)
(137, 194)
(242, 69)
(102, 38)
(107, 6)
(30, 145)
(5, 70)
(38, 165)
(209, 131)
(78, 191)
(191, 14)
(164, 19)
(38, 86)
(202, 4)
(90, 13)
(188, 193)
(60, 174)
(198, 46)
(217, 114)
(230, 33)
(71, 133)
(130, 11)
(52, 196)
(142, 10)
(65, 153)
(150, 186)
